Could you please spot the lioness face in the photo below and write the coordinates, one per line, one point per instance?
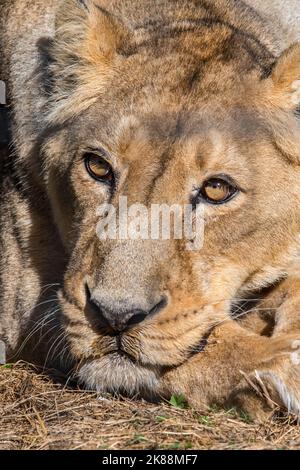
(171, 131)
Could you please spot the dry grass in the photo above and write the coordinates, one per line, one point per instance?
(37, 414)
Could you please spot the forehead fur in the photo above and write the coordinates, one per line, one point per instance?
(178, 47)
(183, 57)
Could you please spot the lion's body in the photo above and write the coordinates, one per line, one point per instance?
(159, 84)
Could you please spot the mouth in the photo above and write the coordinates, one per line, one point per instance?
(118, 372)
(128, 347)
(116, 346)
(117, 366)
(121, 353)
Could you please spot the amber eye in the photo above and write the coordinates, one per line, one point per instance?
(98, 168)
(217, 191)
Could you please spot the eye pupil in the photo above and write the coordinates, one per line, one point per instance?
(217, 191)
(98, 168)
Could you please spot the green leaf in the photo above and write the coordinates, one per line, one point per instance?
(206, 420)
(139, 438)
(179, 401)
(7, 366)
(188, 445)
(174, 445)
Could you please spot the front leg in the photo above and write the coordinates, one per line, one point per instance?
(279, 380)
(233, 362)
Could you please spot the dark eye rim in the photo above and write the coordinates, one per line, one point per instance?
(234, 190)
(110, 179)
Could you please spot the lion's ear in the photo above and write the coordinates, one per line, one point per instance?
(91, 30)
(286, 79)
(283, 93)
(107, 34)
(76, 63)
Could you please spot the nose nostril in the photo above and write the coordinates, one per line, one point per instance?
(159, 306)
(136, 318)
(95, 313)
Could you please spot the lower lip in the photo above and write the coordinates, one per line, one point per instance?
(121, 353)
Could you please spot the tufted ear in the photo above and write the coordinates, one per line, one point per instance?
(283, 94)
(286, 79)
(76, 64)
(108, 34)
(97, 31)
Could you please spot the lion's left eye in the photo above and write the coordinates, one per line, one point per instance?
(98, 168)
(217, 191)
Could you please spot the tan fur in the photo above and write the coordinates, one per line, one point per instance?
(176, 92)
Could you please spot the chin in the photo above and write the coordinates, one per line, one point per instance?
(118, 374)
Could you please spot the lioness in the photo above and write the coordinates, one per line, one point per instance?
(161, 101)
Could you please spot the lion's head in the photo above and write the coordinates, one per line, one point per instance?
(169, 108)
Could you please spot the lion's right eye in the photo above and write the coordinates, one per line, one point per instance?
(98, 168)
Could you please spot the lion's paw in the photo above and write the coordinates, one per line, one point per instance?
(274, 385)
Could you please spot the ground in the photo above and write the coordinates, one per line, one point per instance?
(35, 413)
